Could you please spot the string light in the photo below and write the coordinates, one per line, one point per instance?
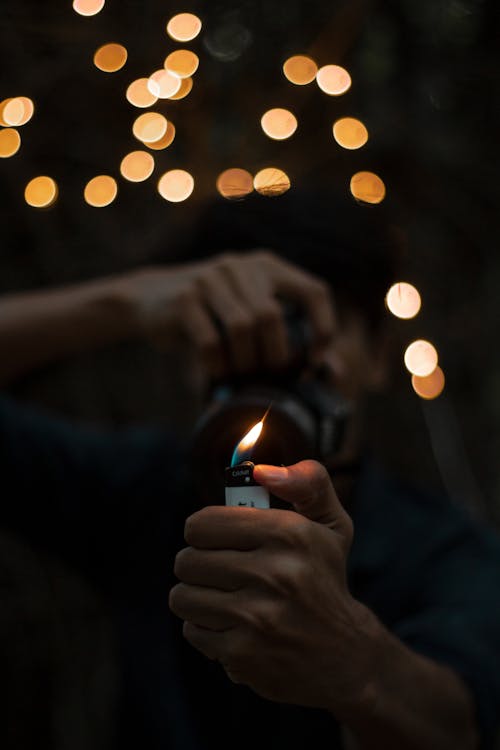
(165, 141)
(163, 84)
(350, 133)
(403, 300)
(368, 187)
(41, 192)
(137, 166)
(333, 80)
(184, 27)
(10, 142)
(235, 183)
(100, 191)
(278, 124)
(110, 57)
(88, 7)
(150, 127)
(182, 63)
(271, 182)
(139, 95)
(300, 69)
(176, 186)
(430, 386)
(185, 89)
(421, 358)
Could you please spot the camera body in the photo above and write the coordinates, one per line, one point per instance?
(306, 420)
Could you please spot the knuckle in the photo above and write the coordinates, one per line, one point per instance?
(269, 315)
(240, 323)
(175, 598)
(262, 616)
(181, 563)
(264, 255)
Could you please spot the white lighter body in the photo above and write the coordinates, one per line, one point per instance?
(241, 488)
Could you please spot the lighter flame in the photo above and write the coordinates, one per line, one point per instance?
(247, 443)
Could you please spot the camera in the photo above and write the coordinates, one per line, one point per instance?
(306, 418)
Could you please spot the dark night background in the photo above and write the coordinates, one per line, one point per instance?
(425, 82)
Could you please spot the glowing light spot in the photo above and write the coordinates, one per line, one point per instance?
(278, 124)
(271, 181)
(150, 127)
(403, 300)
(10, 142)
(184, 27)
(421, 358)
(137, 166)
(16, 111)
(182, 63)
(13, 111)
(350, 133)
(41, 192)
(3, 104)
(163, 84)
(235, 183)
(368, 187)
(88, 7)
(333, 80)
(139, 95)
(185, 89)
(165, 141)
(110, 57)
(176, 185)
(431, 386)
(100, 191)
(300, 69)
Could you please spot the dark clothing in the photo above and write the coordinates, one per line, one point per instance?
(113, 506)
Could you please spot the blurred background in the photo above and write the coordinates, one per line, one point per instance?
(425, 83)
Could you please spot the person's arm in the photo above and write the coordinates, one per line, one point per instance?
(158, 303)
(264, 592)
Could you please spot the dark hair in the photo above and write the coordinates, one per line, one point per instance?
(350, 245)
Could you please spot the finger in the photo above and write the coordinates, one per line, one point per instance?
(206, 607)
(227, 570)
(212, 644)
(314, 295)
(308, 487)
(237, 321)
(201, 331)
(221, 527)
(252, 285)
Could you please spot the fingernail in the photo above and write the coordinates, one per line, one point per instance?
(271, 473)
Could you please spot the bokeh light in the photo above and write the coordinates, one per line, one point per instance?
(185, 89)
(88, 7)
(100, 191)
(333, 80)
(403, 300)
(235, 183)
(350, 133)
(139, 95)
(150, 127)
(137, 166)
(300, 69)
(10, 142)
(184, 27)
(41, 192)
(278, 123)
(368, 187)
(271, 182)
(13, 111)
(421, 358)
(110, 57)
(176, 186)
(182, 63)
(165, 141)
(163, 84)
(431, 386)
